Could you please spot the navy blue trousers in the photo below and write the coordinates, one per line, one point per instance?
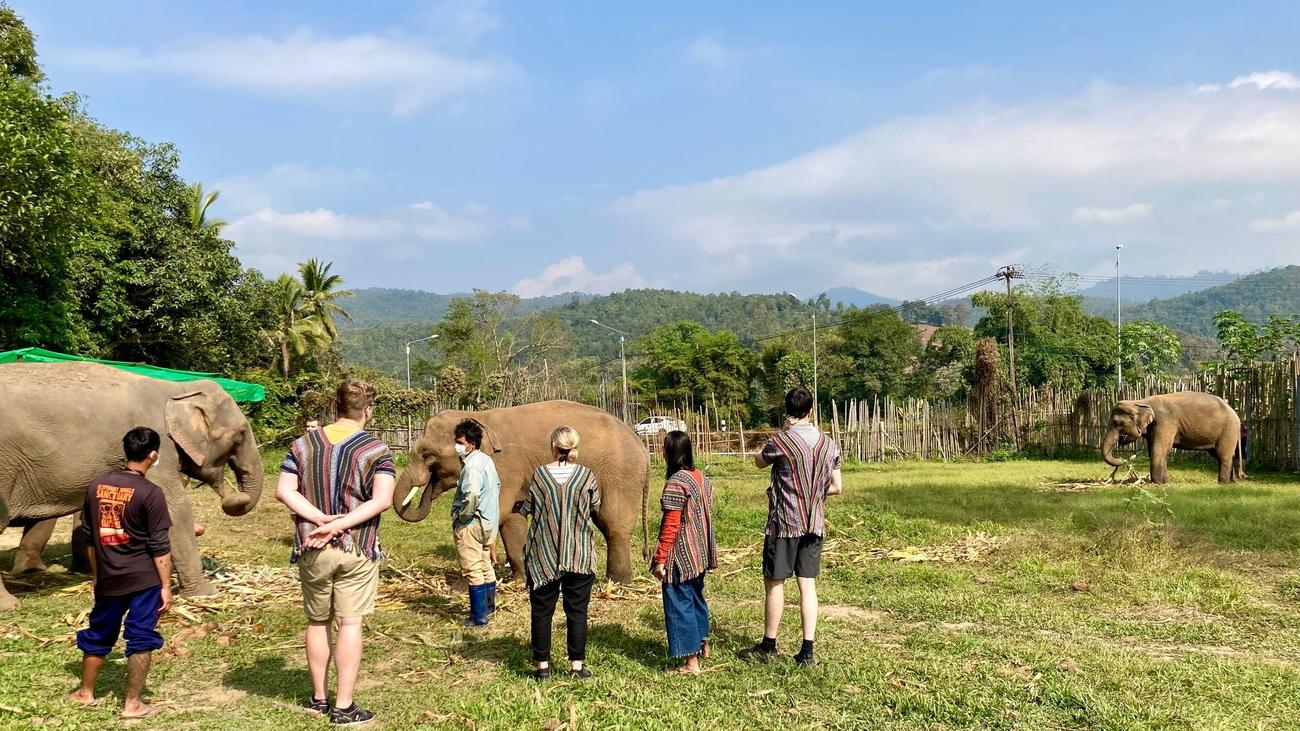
(141, 629)
(686, 615)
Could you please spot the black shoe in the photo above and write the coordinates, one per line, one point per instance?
(581, 673)
(805, 661)
(318, 705)
(353, 716)
(542, 674)
(757, 653)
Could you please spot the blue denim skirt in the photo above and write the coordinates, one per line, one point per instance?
(686, 615)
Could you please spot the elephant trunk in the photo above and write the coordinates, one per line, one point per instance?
(404, 504)
(247, 464)
(1108, 447)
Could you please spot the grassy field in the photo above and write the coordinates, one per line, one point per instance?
(1098, 608)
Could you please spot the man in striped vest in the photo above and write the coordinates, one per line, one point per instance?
(805, 469)
(337, 480)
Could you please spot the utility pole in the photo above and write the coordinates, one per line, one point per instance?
(816, 405)
(622, 355)
(1119, 326)
(1009, 273)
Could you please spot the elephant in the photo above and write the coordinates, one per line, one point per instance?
(518, 440)
(61, 424)
(1186, 420)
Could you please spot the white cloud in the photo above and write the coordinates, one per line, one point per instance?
(407, 72)
(914, 205)
(1092, 214)
(573, 275)
(462, 21)
(284, 185)
(708, 51)
(275, 240)
(1290, 223)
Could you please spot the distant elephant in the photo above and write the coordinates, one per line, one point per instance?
(62, 423)
(1186, 420)
(518, 440)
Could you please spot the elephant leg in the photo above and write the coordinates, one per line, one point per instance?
(185, 546)
(80, 560)
(28, 557)
(1158, 449)
(514, 533)
(618, 561)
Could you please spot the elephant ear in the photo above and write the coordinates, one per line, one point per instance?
(1145, 416)
(490, 442)
(188, 425)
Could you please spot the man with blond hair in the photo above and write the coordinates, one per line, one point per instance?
(338, 480)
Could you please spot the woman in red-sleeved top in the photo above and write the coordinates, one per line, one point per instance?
(686, 553)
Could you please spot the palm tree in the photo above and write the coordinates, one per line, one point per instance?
(296, 331)
(199, 203)
(320, 294)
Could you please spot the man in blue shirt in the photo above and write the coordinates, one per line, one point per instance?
(475, 513)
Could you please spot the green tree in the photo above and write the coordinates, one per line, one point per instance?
(877, 352)
(1056, 341)
(495, 344)
(1149, 348)
(321, 293)
(1244, 342)
(295, 331)
(17, 47)
(199, 203)
(682, 361)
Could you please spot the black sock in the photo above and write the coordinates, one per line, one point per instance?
(768, 644)
(806, 649)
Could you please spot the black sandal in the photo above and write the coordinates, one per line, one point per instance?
(542, 674)
(581, 673)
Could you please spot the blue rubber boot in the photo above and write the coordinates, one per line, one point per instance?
(477, 606)
(491, 597)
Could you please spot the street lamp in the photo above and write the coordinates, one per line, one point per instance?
(621, 356)
(1119, 325)
(408, 356)
(816, 415)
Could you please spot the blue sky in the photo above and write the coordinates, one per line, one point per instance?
(544, 147)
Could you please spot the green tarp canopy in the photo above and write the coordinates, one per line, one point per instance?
(238, 390)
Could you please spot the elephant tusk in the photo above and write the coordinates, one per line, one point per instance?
(411, 495)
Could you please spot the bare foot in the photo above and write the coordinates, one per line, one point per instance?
(685, 670)
(142, 710)
(85, 698)
(704, 650)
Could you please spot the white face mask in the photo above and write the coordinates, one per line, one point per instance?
(461, 449)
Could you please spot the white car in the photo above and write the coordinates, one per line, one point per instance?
(658, 425)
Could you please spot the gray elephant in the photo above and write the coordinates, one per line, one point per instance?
(518, 440)
(1186, 420)
(62, 423)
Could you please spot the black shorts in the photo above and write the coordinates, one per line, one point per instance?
(783, 557)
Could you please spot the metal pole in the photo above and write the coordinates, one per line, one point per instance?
(408, 365)
(816, 406)
(622, 355)
(1119, 325)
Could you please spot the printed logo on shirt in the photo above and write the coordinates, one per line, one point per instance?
(112, 505)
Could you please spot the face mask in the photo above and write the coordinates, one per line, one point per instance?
(461, 449)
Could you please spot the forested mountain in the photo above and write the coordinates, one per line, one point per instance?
(1275, 292)
(375, 306)
(854, 297)
(1146, 288)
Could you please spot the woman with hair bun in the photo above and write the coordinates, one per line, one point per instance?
(560, 553)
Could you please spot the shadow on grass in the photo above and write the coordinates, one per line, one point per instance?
(40, 583)
(271, 678)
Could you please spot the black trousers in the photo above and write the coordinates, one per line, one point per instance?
(577, 595)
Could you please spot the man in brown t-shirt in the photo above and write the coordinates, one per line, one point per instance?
(125, 522)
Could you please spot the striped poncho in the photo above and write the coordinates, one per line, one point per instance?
(337, 478)
(694, 552)
(801, 475)
(561, 529)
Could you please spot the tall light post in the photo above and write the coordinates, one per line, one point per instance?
(1119, 326)
(816, 409)
(622, 356)
(408, 356)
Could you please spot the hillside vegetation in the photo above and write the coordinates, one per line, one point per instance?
(1275, 292)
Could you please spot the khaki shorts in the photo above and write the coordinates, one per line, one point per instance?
(337, 583)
